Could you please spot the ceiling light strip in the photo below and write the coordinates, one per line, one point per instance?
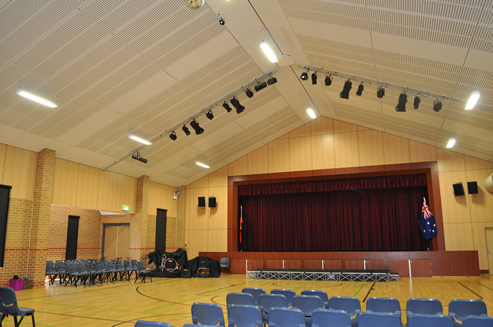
(36, 98)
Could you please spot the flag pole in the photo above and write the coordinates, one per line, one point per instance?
(241, 231)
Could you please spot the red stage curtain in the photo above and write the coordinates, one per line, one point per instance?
(370, 214)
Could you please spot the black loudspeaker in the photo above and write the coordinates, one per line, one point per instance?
(212, 202)
(458, 189)
(185, 273)
(472, 187)
(201, 201)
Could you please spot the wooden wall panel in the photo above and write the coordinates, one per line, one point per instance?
(420, 152)
(3, 149)
(354, 264)
(293, 264)
(441, 263)
(255, 264)
(217, 240)
(196, 242)
(450, 161)
(161, 196)
(343, 127)
(115, 191)
(19, 172)
(322, 126)
(279, 156)
(88, 187)
(458, 236)
(479, 237)
(474, 164)
(323, 152)
(219, 177)
(258, 161)
(302, 131)
(463, 263)
(370, 145)
(199, 216)
(399, 266)
(65, 183)
(481, 204)
(127, 187)
(421, 268)
(203, 182)
(396, 149)
(346, 150)
(333, 264)
(300, 153)
(218, 216)
(454, 208)
(238, 167)
(376, 264)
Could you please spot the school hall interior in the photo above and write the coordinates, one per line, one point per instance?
(196, 85)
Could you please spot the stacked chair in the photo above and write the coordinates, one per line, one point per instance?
(8, 306)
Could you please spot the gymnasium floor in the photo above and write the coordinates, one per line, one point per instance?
(123, 303)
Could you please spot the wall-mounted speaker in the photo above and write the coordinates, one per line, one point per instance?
(458, 189)
(201, 201)
(472, 187)
(212, 202)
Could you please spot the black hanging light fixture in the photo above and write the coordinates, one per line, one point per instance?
(437, 105)
(417, 101)
(186, 130)
(173, 136)
(345, 91)
(195, 125)
(401, 105)
(328, 80)
(209, 115)
(304, 75)
(237, 105)
(227, 107)
(380, 92)
(314, 78)
(361, 87)
(249, 93)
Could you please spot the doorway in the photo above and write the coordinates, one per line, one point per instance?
(115, 241)
(489, 248)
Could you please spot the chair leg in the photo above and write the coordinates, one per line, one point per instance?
(34, 324)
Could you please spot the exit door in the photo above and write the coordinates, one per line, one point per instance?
(489, 245)
(115, 241)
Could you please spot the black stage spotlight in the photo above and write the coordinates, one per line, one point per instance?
(304, 76)
(271, 80)
(237, 105)
(209, 115)
(227, 107)
(437, 105)
(137, 156)
(361, 87)
(401, 105)
(173, 136)
(195, 125)
(186, 130)
(328, 80)
(314, 78)
(380, 92)
(260, 86)
(345, 91)
(249, 93)
(417, 100)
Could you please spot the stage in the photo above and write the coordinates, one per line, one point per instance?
(322, 274)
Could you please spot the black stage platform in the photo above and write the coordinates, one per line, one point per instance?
(324, 274)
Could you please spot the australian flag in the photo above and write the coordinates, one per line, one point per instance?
(427, 223)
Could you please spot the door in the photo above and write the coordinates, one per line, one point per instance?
(72, 237)
(160, 240)
(116, 238)
(489, 245)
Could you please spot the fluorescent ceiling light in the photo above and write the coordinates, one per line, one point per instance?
(138, 139)
(451, 143)
(473, 99)
(198, 163)
(37, 99)
(311, 113)
(268, 52)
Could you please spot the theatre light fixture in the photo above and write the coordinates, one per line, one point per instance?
(345, 91)
(196, 127)
(36, 98)
(237, 105)
(173, 136)
(268, 52)
(139, 139)
(227, 107)
(437, 105)
(328, 80)
(361, 87)
(304, 76)
(186, 130)
(401, 105)
(380, 92)
(417, 101)
(201, 164)
(209, 115)
(271, 80)
(137, 156)
(314, 78)
(473, 99)
(260, 86)
(249, 93)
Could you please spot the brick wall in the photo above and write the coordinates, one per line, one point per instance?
(89, 238)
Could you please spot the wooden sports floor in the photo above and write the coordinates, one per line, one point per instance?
(170, 300)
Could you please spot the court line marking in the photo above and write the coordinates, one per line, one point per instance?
(480, 297)
(371, 289)
(359, 289)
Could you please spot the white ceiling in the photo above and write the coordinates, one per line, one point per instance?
(144, 66)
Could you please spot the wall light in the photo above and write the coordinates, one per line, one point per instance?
(311, 113)
(268, 52)
(139, 139)
(473, 99)
(37, 99)
(198, 163)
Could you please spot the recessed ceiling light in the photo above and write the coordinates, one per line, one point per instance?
(473, 99)
(268, 52)
(198, 163)
(451, 143)
(311, 113)
(37, 99)
(139, 139)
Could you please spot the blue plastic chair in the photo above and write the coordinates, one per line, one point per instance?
(268, 301)
(207, 314)
(330, 318)
(383, 305)
(307, 304)
(286, 317)
(427, 320)
(321, 294)
(347, 303)
(8, 306)
(423, 306)
(459, 309)
(373, 319)
(477, 321)
(240, 315)
(239, 298)
(255, 293)
(287, 293)
(197, 325)
(144, 323)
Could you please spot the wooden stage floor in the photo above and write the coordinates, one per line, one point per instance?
(170, 300)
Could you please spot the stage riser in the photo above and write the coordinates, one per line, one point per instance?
(324, 276)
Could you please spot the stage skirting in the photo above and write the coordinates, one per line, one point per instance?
(405, 264)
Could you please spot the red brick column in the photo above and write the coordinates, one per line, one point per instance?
(43, 193)
(140, 240)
